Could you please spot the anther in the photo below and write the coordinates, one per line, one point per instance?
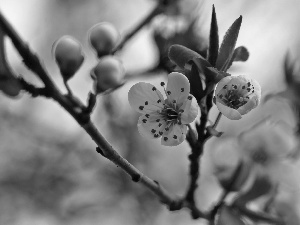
(153, 131)
(162, 83)
(141, 107)
(182, 89)
(146, 102)
(165, 138)
(175, 137)
(168, 92)
(147, 115)
(154, 89)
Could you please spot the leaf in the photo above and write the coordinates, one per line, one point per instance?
(9, 84)
(213, 39)
(240, 54)
(261, 186)
(181, 55)
(229, 216)
(228, 45)
(215, 74)
(195, 81)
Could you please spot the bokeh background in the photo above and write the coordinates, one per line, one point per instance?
(50, 172)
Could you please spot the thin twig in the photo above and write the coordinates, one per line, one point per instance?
(217, 120)
(156, 11)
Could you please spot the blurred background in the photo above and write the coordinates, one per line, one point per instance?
(50, 172)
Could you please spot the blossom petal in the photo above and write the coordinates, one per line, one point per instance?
(178, 88)
(145, 98)
(175, 135)
(151, 125)
(251, 104)
(230, 113)
(190, 110)
(222, 83)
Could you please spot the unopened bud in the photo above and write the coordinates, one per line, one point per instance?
(103, 37)
(108, 74)
(68, 55)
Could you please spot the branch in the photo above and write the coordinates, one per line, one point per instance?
(83, 119)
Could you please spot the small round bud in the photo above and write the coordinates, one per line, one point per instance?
(103, 37)
(108, 74)
(68, 55)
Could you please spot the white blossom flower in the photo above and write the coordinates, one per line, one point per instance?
(267, 146)
(166, 118)
(237, 95)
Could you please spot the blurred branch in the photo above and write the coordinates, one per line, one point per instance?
(226, 191)
(156, 11)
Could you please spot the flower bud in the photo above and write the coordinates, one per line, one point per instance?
(237, 95)
(68, 55)
(108, 74)
(103, 37)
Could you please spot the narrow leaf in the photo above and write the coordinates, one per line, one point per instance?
(213, 39)
(228, 45)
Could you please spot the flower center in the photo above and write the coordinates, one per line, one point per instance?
(233, 99)
(170, 114)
